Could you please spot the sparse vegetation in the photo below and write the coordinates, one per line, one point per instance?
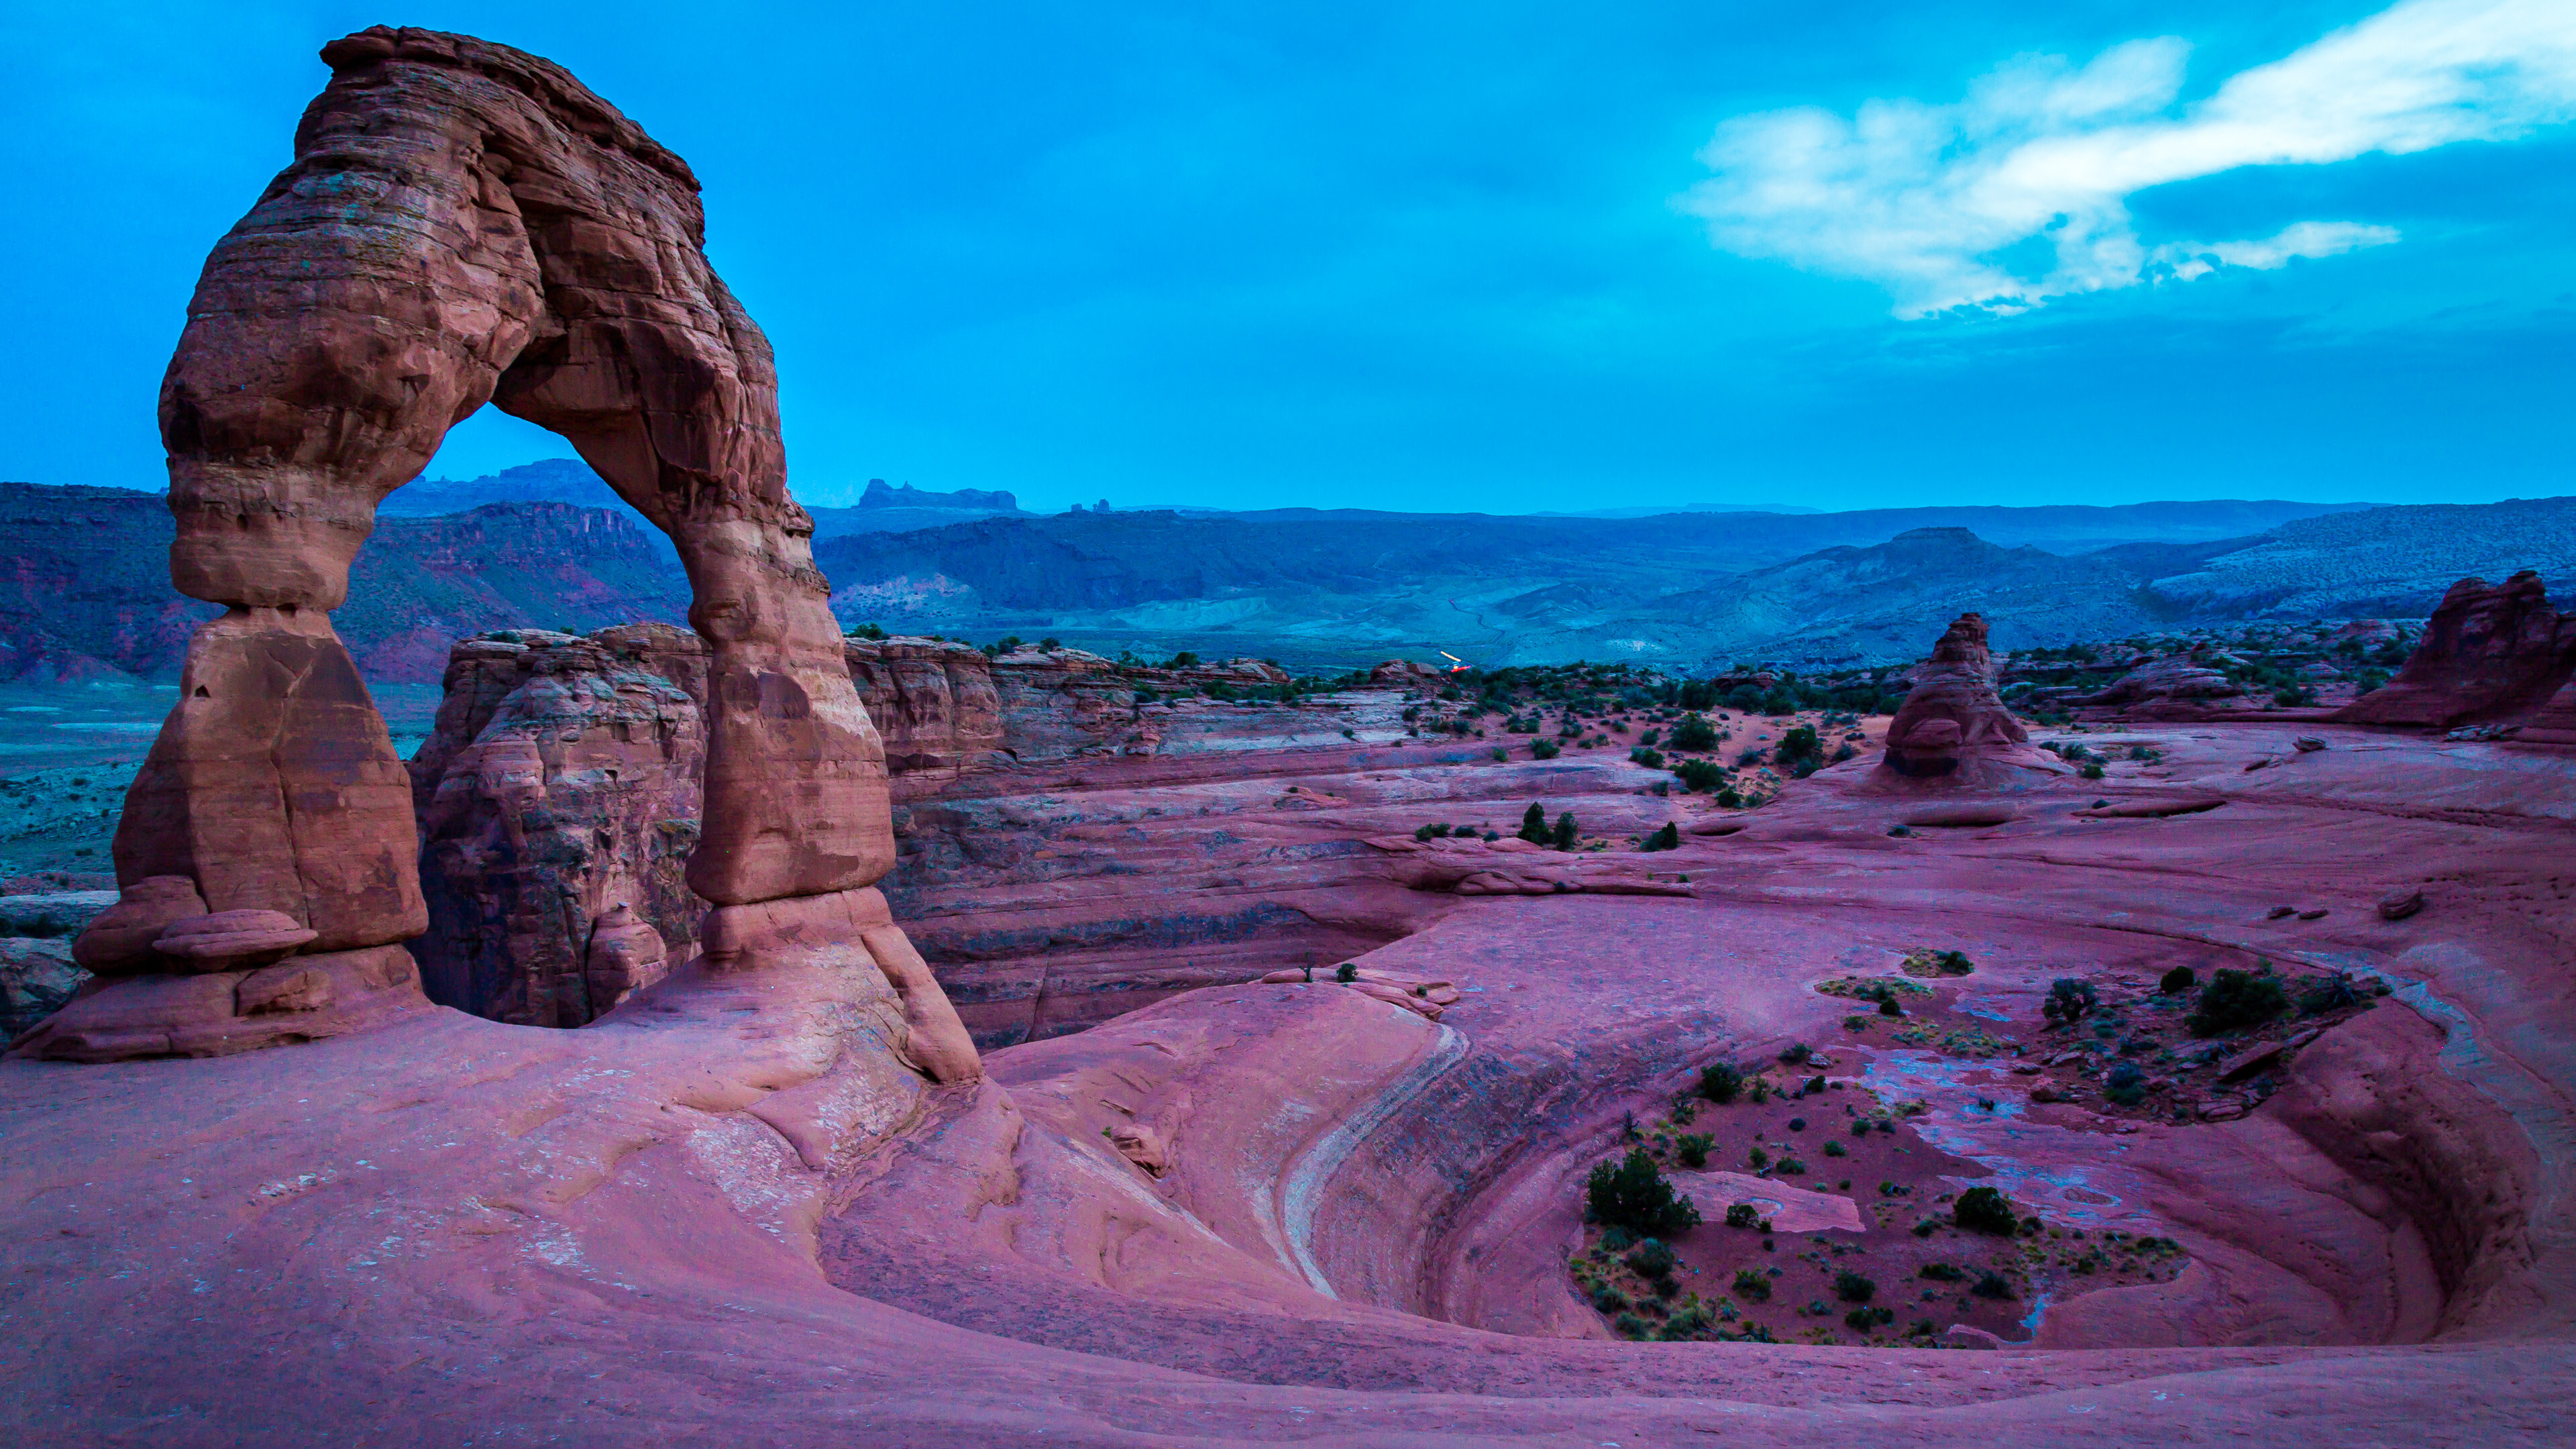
(1719, 1082)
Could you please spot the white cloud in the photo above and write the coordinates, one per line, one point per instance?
(2041, 155)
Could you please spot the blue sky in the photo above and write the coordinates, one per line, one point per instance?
(1491, 256)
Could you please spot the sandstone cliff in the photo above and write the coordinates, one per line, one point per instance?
(2492, 653)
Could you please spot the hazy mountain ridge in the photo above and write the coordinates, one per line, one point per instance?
(2394, 561)
(88, 591)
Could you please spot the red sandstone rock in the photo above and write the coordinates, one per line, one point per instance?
(2490, 654)
(2175, 688)
(230, 940)
(625, 955)
(119, 941)
(561, 781)
(1952, 730)
(2555, 722)
(220, 1013)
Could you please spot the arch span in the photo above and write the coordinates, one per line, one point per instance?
(465, 224)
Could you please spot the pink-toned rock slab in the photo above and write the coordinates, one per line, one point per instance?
(1789, 1209)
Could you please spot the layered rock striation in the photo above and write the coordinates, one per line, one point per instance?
(1953, 729)
(2492, 653)
(559, 795)
(461, 224)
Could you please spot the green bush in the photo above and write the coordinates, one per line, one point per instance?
(1668, 838)
(1651, 1258)
(1629, 1325)
(1347, 972)
(1692, 1149)
(1866, 1319)
(1534, 824)
(1719, 1082)
(1799, 744)
(1694, 732)
(1991, 1284)
(2127, 1084)
(1652, 759)
(1835, 1148)
(1701, 776)
(1944, 1273)
(1545, 749)
(1729, 799)
(1853, 1287)
(2177, 981)
(1743, 1215)
(1791, 1167)
(1634, 1195)
(2068, 1000)
(1754, 1284)
(1608, 1299)
(2236, 999)
(1566, 832)
(1985, 1210)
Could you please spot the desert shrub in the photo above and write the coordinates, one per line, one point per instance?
(1668, 838)
(1899, 830)
(1791, 1167)
(1566, 831)
(1743, 1215)
(1429, 832)
(1799, 744)
(1608, 1299)
(1649, 737)
(1853, 1287)
(1688, 1323)
(1754, 1284)
(2328, 993)
(1347, 972)
(1991, 1284)
(1694, 733)
(1701, 775)
(1835, 1148)
(1799, 1124)
(1652, 759)
(1635, 1195)
(1729, 799)
(1534, 824)
(1985, 1210)
(2068, 1000)
(1756, 1158)
(1651, 1258)
(2236, 999)
(2090, 772)
(867, 631)
(1753, 756)
(1866, 1319)
(1887, 1007)
(1629, 1325)
(2177, 981)
(2127, 1084)
(1944, 1273)
(1796, 1052)
(1545, 749)
(1693, 1147)
(1720, 1082)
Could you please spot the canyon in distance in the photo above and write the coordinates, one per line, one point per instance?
(621, 956)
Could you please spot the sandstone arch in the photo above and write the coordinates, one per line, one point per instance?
(462, 224)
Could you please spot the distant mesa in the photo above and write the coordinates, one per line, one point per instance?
(882, 495)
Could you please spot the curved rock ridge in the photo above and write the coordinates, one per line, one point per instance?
(2491, 654)
(1953, 729)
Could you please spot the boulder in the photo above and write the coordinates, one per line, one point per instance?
(2401, 902)
(626, 955)
(2492, 653)
(37, 978)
